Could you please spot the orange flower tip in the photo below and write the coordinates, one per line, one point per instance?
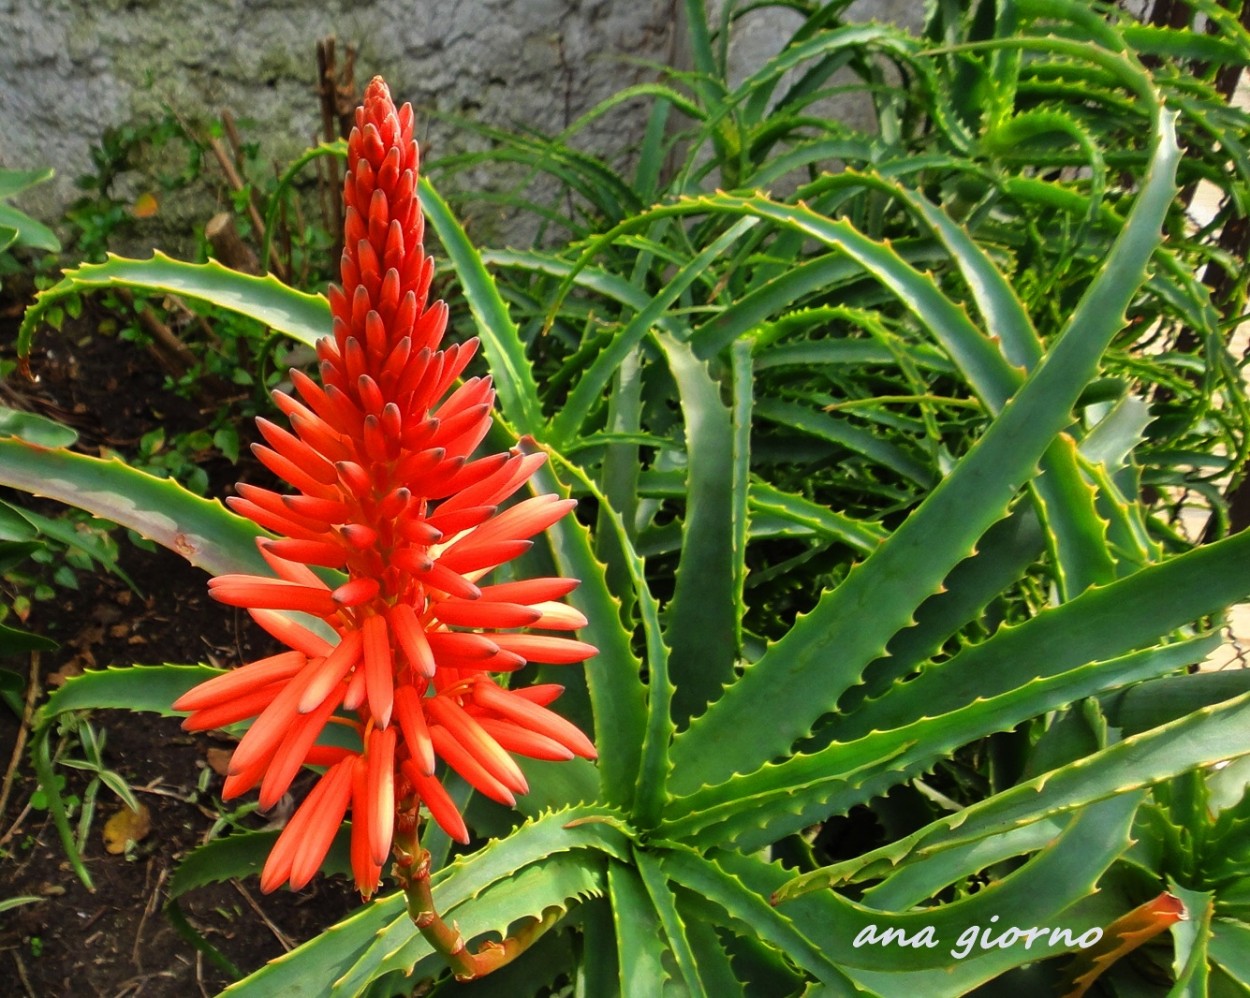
(358, 535)
(356, 592)
(271, 880)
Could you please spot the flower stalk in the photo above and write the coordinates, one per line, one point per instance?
(412, 872)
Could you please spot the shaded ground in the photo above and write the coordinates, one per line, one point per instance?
(117, 941)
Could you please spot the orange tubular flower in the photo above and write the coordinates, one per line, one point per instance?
(386, 491)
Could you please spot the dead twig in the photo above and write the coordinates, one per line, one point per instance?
(21, 973)
(154, 901)
(228, 246)
(236, 181)
(170, 352)
(284, 940)
(19, 745)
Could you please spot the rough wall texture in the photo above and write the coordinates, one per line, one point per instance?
(74, 67)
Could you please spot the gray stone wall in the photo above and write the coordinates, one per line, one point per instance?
(74, 67)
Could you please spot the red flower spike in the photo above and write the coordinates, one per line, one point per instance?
(384, 488)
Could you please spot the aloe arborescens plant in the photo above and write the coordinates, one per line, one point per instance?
(681, 861)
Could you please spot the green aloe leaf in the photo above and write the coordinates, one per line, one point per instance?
(790, 795)
(754, 311)
(701, 618)
(559, 882)
(1099, 624)
(1047, 892)
(1065, 501)
(357, 944)
(614, 676)
(749, 912)
(25, 231)
(17, 642)
(302, 316)
(201, 530)
(150, 688)
(591, 386)
(1229, 949)
(838, 430)
(35, 429)
(1190, 937)
(767, 503)
(15, 181)
(672, 924)
(1204, 737)
(514, 378)
(243, 854)
(1147, 705)
(639, 933)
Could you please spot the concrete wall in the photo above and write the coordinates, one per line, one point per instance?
(73, 67)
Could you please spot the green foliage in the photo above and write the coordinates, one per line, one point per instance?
(16, 227)
(895, 628)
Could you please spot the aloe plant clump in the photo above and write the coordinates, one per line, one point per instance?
(875, 533)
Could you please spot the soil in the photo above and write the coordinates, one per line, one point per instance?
(116, 940)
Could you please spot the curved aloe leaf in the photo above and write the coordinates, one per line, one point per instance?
(790, 795)
(1098, 624)
(639, 934)
(150, 688)
(701, 619)
(592, 384)
(557, 883)
(1206, 736)
(614, 675)
(383, 928)
(201, 530)
(302, 316)
(514, 378)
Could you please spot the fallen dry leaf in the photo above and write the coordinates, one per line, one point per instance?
(74, 667)
(126, 826)
(219, 760)
(145, 206)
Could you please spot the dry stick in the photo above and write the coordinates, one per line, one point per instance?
(199, 974)
(346, 93)
(283, 939)
(21, 973)
(148, 910)
(28, 711)
(236, 147)
(232, 134)
(170, 352)
(228, 246)
(284, 230)
(236, 181)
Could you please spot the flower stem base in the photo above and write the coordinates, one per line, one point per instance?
(412, 871)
